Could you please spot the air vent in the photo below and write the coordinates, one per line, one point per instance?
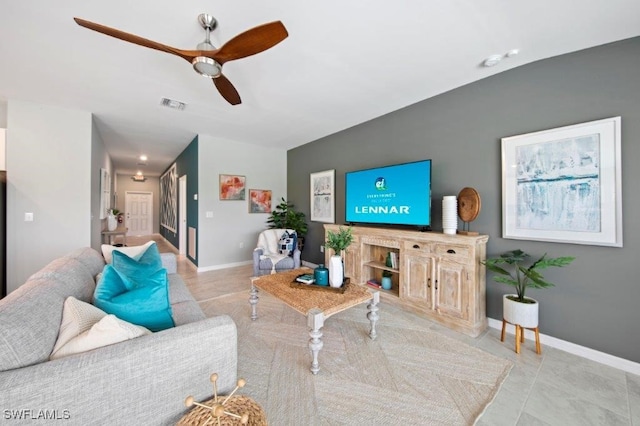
(140, 163)
(170, 103)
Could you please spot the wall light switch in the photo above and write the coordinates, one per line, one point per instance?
(209, 215)
(195, 197)
(28, 217)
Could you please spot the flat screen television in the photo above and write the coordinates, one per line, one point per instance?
(398, 194)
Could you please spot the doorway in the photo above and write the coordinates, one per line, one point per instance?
(138, 207)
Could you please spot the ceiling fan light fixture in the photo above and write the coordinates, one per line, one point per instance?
(206, 67)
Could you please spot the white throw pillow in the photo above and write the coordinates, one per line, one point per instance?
(134, 252)
(108, 331)
(77, 317)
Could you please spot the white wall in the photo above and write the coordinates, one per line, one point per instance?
(49, 175)
(100, 159)
(3, 114)
(232, 225)
(3, 125)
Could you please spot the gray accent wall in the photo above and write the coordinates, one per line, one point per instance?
(595, 303)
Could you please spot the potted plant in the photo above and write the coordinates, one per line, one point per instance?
(511, 269)
(284, 216)
(338, 242)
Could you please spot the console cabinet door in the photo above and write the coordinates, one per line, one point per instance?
(452, 289)
(418, 279)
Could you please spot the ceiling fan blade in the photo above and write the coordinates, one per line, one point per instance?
(250, 42)
(227, 90)
(131, 38)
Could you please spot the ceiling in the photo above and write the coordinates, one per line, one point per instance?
(343, 63)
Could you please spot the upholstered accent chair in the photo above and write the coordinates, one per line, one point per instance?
(270, 255)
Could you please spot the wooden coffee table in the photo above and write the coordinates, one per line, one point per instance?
(315, 304)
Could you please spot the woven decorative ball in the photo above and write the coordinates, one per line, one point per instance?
(237, 404)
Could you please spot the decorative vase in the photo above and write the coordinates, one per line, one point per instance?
(523, 314)
(321, 275)
(112, 221)
(449, 214)
(386, 283)
(336, 273)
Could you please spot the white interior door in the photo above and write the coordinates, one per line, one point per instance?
(182, 214)
(138, 207)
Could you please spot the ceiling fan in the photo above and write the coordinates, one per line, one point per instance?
(206, 59)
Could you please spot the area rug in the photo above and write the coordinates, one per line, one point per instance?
(412, 374)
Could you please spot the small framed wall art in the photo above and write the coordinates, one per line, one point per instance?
(232, 187)
(564, 185)
(259, 201)
(322, 191)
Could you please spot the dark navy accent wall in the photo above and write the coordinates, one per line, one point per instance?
(187, 164)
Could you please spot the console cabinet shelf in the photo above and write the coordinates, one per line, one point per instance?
(439, 275)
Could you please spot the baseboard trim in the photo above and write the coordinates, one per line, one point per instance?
(572, 348)
(224, 266)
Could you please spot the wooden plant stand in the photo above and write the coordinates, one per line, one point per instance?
(520, 335)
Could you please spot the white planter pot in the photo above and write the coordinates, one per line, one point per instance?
(336, 273)
(112, 222)
(523, 314)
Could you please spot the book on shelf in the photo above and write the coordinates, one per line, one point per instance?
(394, 260)
(374, 283)
(305, 279)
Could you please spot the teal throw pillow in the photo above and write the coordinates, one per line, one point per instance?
(138, 270)
(146, 305)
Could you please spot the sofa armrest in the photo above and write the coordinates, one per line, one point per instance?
(169, 262)
(153, 373)
(257, 252)
(296, 258)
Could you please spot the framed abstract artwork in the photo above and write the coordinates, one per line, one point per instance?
(169, 199)
(564, 185)
(232, 187)
(259, 201)
(322, 191)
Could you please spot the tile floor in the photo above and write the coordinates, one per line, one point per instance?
(554, 388)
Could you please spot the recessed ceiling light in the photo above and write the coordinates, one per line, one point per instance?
(143, 158)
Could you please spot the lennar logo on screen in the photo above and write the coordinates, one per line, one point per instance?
(381, 185)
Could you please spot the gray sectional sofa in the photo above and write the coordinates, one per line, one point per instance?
(142, 381)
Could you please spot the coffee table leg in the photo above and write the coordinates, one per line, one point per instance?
(372, 315)
(253, 300)
(315, 321)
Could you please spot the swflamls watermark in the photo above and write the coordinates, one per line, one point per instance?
(41, 414)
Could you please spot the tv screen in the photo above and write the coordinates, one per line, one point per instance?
(398, 194)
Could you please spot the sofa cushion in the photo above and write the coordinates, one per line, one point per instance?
(146, 305)
(106, 331)
(77, 317)
(133, 251)
(90, 258)
(29, 321)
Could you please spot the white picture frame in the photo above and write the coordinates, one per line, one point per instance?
(105, 193)
(564, 185)
(322, 193)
